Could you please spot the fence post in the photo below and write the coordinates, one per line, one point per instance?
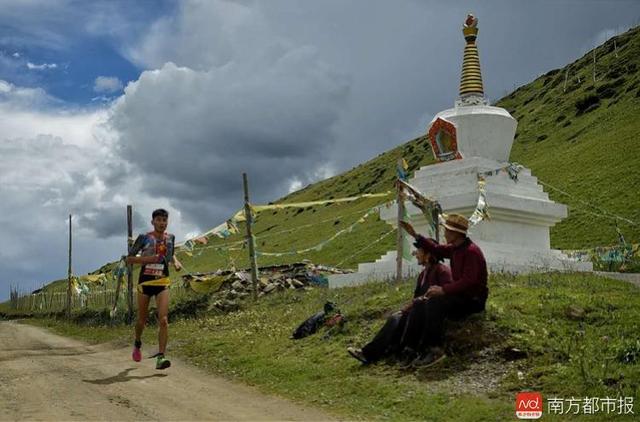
(129, 267)
(436, 211)
(400, 243)
(250, 240)
(69, 274)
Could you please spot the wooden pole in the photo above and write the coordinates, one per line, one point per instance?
(399, 252)
(436, 219)
(69, 274)
(119, 282)
(129, 267)
(250, 240)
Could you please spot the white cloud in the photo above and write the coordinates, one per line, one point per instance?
(43, 178)
(107, 84)
(23, 98)
(16, 55)
(43, 66)
(206, 34)
(26, 113)
(57, 162)
(295, 185)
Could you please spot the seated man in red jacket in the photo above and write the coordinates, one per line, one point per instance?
(401, 328)
(467, 294)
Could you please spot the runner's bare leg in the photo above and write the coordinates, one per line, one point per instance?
(162, 303)
(143, 309)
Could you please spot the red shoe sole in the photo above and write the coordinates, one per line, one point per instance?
(136, 355)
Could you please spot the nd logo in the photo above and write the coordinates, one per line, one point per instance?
(529, 405)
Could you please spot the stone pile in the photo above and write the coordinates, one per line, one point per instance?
(230, 286)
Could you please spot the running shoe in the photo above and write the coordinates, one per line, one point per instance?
(137, 354)
(162, 362)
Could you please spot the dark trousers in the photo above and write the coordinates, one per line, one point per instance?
(425, 323)
(421, 327)
(388, 338)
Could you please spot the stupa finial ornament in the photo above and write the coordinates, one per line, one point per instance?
(471, 90)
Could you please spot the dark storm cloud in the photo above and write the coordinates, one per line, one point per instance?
(111, 220)
(191, 133)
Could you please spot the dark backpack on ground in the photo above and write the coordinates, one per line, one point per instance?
(311, 324)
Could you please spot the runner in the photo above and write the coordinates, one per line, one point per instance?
(156, 252)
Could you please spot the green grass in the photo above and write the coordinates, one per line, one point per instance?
(592, 154)
(577, 335)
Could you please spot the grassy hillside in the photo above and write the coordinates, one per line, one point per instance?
(582, 137)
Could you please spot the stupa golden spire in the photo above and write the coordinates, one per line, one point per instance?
(471, 81)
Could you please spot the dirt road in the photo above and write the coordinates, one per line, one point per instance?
(47, 377)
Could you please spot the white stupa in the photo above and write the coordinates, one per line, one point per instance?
(469, 139)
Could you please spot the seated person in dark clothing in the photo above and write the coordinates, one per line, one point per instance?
(465, 295)
(396, 330)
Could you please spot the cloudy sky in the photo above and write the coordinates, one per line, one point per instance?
(165, 102)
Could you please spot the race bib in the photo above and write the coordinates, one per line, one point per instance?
(154, 269)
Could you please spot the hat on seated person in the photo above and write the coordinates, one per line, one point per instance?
(457, 223)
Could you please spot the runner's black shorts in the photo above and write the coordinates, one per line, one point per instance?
(152, 290)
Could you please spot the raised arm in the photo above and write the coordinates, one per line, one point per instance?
(438, 250)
